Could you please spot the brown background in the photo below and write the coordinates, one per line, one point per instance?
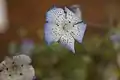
(31, 15)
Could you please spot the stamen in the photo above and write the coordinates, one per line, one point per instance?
(21, 74)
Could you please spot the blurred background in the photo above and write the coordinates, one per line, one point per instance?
(97, 58)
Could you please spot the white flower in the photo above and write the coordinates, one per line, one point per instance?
(63, 25)
(22, 59)
(18, 68)
(8, 61)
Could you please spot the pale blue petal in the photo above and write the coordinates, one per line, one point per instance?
(68, 41)
(115, 37)
(78, 31)
(52, 33)
(72, 17)
(55, 15)
(76, 10)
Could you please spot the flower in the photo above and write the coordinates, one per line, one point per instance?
(18, 68)
(63, 26)
(27, 46)
(76, 10)
(22, 59)
(115, 38)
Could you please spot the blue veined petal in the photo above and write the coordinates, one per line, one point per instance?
(71, 17)
(55, 15)
(67, 41)
(76, 10)
(78, 31)
(115, 38)
(52, 32)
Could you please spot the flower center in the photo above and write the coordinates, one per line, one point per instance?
(67, 26)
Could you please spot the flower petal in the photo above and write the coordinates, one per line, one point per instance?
(68, 41)
(76, 10)
(72, 17)
(22, 59)
(8, 62)
(52, 33)
(55, 15)
(78, 31)
(17, 72)
(115, 37)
